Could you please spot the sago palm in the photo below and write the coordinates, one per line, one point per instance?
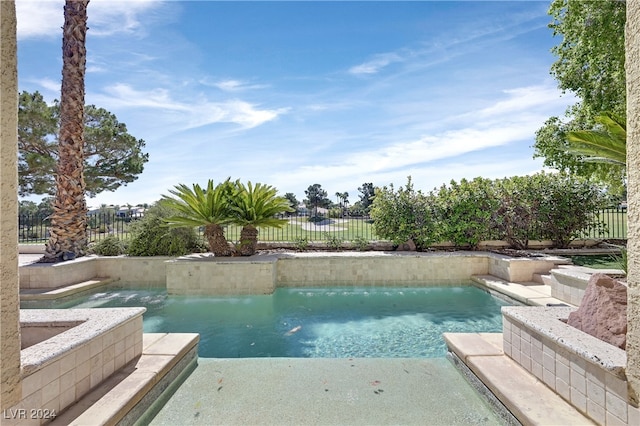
(253, 206)
(202, 207)
(607, 145)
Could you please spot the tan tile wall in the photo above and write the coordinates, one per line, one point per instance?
(146, 271)
(58, 384)
(149, 271)
(378, 270)
(220, 277)
(52, 276)
(594, 391)
(246, 277)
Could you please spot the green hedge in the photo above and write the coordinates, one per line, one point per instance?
(544, 206)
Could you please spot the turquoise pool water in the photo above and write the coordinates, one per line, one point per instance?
(335, 322)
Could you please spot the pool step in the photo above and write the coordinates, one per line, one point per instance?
(528, 293)
(545, 279)
(127, 394)
(64, 291)
(530, 401)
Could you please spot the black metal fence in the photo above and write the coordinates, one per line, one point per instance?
(615, 221)
(298, 229)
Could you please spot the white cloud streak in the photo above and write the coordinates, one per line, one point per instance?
(187, 115)
(44, 18)
(232, 85)
(507, 121)
(376, 64)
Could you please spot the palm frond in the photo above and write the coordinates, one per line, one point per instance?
(608, 145)
(197, 206)
(258, 205)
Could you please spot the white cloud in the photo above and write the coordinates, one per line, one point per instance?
(187, 115)
(508, 121)
(232, 85)
(378, 62)
(108, 17)
(50, 85)
(523, 98)
(39, 18)
(44, 18)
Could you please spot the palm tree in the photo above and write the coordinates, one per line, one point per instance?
(343, 200)
(203, 207)
(254, 206)
(68, 232)
(607, 145)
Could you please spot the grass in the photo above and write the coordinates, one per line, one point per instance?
(599, 261)
(346, 230)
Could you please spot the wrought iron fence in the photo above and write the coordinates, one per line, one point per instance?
(615, 224)
(33, 228)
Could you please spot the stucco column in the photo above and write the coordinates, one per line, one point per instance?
(632, 36)
(10, 386)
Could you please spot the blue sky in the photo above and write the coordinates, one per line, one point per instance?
(296, 93)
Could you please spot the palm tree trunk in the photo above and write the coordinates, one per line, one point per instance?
(248, 240)
(218, 244)
(68, 233)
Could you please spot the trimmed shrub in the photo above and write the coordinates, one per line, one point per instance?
(110, 246)
(301, 243)
(360, 243)
(333, 241)
(151, 236)
(555, 207)
(404, 215)
(464, 211)
(516, 217)
(567, 207)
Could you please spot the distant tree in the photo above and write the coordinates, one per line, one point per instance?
(590, 64)
(316, 197)
(112, 157)
(27, 208)
(45, 208)
(343, 200)
(367, 192)
(293, 201)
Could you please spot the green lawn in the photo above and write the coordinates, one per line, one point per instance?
(297, 228)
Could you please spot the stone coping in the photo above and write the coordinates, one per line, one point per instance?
(578, 276)
(65, 291)
(551, 322)
(91, 323)
(209, 257)
(528, 399)
(137, 385)
(342, 254)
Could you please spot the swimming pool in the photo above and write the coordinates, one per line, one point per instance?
(333, 322)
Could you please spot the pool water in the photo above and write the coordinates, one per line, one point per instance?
(335, 322)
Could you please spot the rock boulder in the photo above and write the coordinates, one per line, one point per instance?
(603, 310)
